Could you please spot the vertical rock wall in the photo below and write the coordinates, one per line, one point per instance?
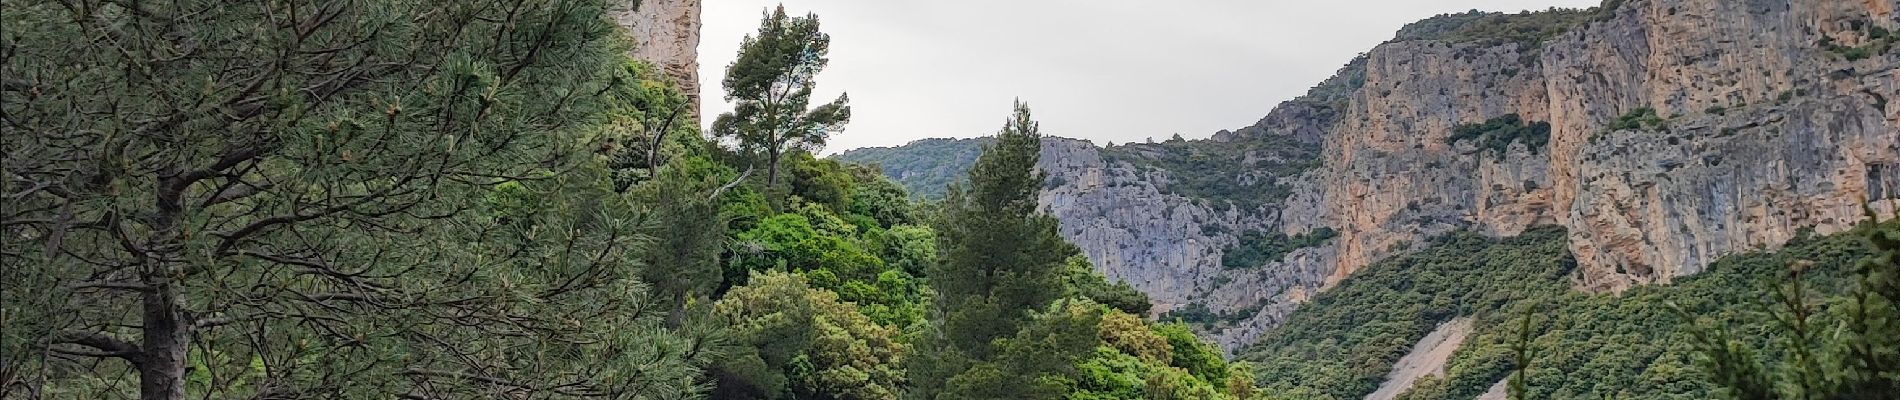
(666, 34)
(1767, 128)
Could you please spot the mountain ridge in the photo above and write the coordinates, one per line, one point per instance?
(1656, 121)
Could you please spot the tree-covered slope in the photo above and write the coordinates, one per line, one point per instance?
(1588, 346)
(924, 166)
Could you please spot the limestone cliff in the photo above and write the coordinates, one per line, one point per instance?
(1662, 133)
(666, 34)
(1671, 132)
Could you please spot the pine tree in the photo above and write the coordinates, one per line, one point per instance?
(1002, 260)
(690, 231)
(320, 199)
(770, 85)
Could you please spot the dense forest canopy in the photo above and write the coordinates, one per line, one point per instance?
(1645, 343)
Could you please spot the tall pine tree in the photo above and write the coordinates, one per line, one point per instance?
(1001, 259)
(770, 85)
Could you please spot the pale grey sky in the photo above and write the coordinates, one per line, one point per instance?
(1104, 70)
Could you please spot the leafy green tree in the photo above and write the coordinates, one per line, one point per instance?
(1138, 360)
(803, 342)
(1002, 258)
(824, 182)
(1200, 358)
(1083, 281)
(1128, 333)
(828, 251)
(881, 199)
(770, 85)
(320, 199)
(908, 248)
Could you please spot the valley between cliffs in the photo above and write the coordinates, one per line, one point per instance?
(1662, 134)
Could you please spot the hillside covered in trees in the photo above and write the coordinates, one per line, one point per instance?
(1642, 344)
(925, 167)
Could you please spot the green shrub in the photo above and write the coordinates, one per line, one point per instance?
(1640, 118)
(1497, 134)
(1256, 248)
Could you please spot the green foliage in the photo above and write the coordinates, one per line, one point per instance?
(830, 252)
(652, 107)
(1526, 29)
(1858, 358)
(1588, 346)
(820, 181)
(1082, 281)
(770, 85)
(690, 231)
(1497, 134)
(1001, 258)
(1200, 358)
(883, 200)
(315, 199)
(908, 248)
(1001, 255)
(1522, 354)
(1256, 249)
(1196, 313)
(1344, 341)
(1036, 362)
(1876, 40)
(1428, 387)
(802, 342)
(1141, 360)
(1643, 118)
(1243, 172)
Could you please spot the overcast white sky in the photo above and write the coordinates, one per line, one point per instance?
(1104, 70)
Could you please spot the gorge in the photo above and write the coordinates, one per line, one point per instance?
(1662, 134)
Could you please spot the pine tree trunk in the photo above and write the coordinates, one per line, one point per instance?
(167, 329)
(167, 333)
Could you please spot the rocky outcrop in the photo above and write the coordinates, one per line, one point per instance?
(666, 34)
(1773, 129)
(1763, 126)
(1759, 131)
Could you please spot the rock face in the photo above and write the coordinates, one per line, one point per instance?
(1769, 117)
(666, 34)
(1662, 133)
(1776, 131)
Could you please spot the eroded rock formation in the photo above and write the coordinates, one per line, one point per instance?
(1678, 131)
